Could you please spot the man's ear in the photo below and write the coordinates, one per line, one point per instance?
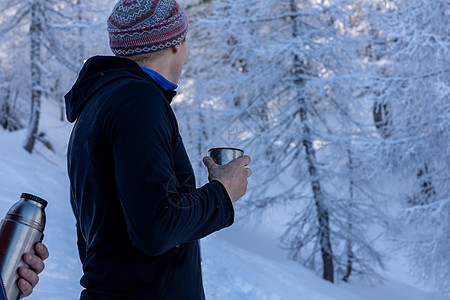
(175, 49)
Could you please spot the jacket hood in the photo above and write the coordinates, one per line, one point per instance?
(98, 72)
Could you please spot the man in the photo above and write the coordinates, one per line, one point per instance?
(139, 215)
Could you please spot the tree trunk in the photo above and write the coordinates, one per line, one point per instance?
(81, 49)
(35, 55)
(350, 255)
(322, 211)
(381, 118)
(60, 97)
(202, 136)
(427, 190)
(5, 109)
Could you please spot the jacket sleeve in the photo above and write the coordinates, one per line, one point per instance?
(141, 131)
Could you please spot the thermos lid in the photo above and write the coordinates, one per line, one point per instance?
(34, 198)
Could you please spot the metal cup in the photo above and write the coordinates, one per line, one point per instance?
(222, 156)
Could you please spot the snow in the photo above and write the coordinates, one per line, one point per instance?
(239, 263)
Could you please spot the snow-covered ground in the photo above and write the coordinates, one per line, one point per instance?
(242, 262)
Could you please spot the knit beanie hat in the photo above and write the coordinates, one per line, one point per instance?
(144, 26)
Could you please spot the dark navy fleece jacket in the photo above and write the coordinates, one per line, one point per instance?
(139, 215)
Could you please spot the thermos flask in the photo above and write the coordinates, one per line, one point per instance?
(20, 230)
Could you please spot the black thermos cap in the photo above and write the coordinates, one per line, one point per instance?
(34, 198)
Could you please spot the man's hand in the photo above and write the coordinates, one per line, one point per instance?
(232, 175)
(30, 275)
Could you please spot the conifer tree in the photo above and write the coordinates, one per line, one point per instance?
(285, 82)
(414, 83)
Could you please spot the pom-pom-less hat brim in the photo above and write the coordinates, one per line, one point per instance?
(144, 26)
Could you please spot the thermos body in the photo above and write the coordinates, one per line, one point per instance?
(20, 230)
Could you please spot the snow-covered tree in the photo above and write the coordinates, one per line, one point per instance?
(53, 53)
(413, 88)
(36, 76)
(283, 80)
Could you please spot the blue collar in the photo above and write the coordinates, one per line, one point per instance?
(166, 84)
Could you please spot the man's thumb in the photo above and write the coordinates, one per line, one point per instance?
(208, 161)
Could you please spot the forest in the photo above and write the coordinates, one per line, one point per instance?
(344, 107)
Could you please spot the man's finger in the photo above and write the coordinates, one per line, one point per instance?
(25, 287)
(209, 162)
(41, 251)
(29, 275)
(245, 160)
(34, 262)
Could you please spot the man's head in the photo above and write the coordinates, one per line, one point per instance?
(146, 26)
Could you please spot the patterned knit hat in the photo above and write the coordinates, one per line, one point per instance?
(143, 26)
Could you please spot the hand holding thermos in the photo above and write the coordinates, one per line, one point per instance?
(21, 232)
(29, 276)
(228, 165)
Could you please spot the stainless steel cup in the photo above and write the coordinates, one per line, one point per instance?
(20, 230)
(222, 156)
